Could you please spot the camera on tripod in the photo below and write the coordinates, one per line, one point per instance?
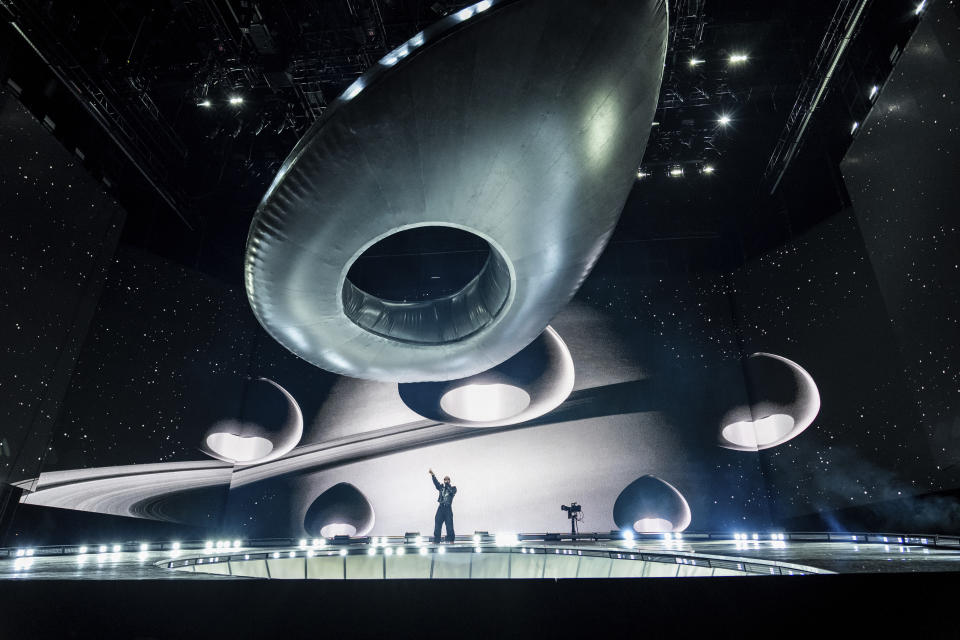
(574, 514)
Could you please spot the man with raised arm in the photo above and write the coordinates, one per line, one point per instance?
(444, 515)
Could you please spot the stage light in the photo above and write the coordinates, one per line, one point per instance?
(476, 549)
(20, 553)
(708, 169)
(144, 546)
(246, 556)
(874, 90)
(292, 554)
(642, 174)
(401, 551)
(208, 545)
(506, 539)
(371, 551)
(628, 534)
(675, 172)
(738, 58)
(423, 551)
(236, 100)
(82, 549)
(276, 554)
(176, 546)
(343, 552)
(103, 548)
(205, 104)
(117, 548)
(483, 6)
(29, 552)
(668, 536)
(303, 542)
(237, 544)
(388, 551)
(696, 61)
(724, 120)
(678, 536)
(756, 536)
(315, 542)
(920, 8)
(441, 550)
(476, 538)
(853, 129)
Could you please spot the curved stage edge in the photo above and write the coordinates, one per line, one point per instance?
(524, 556)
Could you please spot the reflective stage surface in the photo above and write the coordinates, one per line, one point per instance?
(485, 556)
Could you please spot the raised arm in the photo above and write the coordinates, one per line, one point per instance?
(435, 482)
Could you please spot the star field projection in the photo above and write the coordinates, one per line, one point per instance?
(57, 232)
(816, 301)
(906, 206)
(167, 356)
(681, 331)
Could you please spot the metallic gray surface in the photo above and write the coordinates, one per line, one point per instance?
(523, 124)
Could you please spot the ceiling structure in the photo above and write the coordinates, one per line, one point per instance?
(186, 108)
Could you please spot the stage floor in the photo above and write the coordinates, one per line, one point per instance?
(395, 558)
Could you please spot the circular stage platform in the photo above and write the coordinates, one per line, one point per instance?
(537, 556)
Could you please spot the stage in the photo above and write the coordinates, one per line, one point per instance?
(484, 556)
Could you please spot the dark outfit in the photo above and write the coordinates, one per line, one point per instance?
(444, 510)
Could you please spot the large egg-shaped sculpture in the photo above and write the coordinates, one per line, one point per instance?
(518, 122)
(341, 510)
(784, 400)
(528, 385)
(270, 426)
(651, 505)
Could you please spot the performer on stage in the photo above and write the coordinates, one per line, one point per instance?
(444, 509)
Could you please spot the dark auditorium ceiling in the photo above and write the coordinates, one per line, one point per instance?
(186, 108)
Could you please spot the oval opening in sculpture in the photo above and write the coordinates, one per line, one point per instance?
(428, 284)
(485, 402)
(238, 448)
(759, 433)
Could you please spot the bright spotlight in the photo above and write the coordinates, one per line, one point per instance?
(476, 538)
(853, 129)
(694, 62)
(82, 550)
(642, 174)
(236, 544)
(477, 549)
(738, 58)
(310, 553)
(371, 551)
(102, 548)
(920, 8)
(668, 536)
(628, 534)
(401, 551)
(29, 552)
(292, 554)
(205, 103)
(236, 100)
(708, 169)
(388, 551)
(675, 172)
(117, 548)
(276, 554)
(175, 546)
(724, 120)
(874, 90)
(208, 545)
(303, 542)
(423, 551)
(144, 546)
(315, 542)
(441, 550)
(343, 552)
(506, 539)
(219, 544)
